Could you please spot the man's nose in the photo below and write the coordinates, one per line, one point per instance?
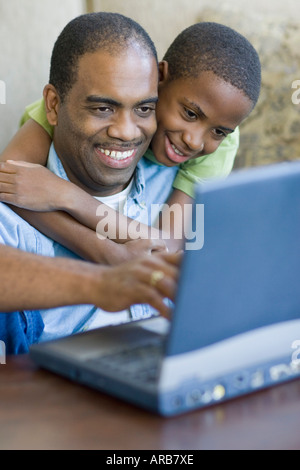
(124, 127)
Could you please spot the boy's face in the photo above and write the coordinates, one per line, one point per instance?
(194, 115)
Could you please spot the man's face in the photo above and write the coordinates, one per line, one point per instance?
(107, 120)
(194, 115)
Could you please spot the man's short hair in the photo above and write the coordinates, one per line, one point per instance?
(208, 46)
(88, 33)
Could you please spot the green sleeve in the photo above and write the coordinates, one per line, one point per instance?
(37, 112)
(215, 165)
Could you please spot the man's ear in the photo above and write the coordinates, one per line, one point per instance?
(52, 104)
(163, 69)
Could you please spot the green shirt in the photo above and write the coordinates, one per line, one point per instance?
(215, 165)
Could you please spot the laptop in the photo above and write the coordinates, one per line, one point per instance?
(235, 328)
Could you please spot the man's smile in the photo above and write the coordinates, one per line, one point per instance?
(117, 155)
(116, 158)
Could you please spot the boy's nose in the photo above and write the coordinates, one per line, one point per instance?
(193, 140)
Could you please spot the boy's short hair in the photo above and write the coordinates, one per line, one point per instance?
(111, 32)
(208, 46)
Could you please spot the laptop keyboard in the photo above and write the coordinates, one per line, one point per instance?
(139, 363)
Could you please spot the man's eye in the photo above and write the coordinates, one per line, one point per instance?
(103, 109)
(145, 110)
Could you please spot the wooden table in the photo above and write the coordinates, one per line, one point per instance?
(39, 410)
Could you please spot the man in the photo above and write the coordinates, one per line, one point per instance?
(101, 99)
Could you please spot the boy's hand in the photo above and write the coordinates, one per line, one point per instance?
(123, 252)
(30, 186)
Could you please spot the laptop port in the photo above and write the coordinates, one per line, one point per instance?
(177, 401)
(241, 381)
(194, 397)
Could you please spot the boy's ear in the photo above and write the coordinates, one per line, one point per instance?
(52, 104)
(163, 69)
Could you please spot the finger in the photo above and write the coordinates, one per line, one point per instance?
(162, 308)
(143, 274)
(7, 168)
(167, 288)
(159, 263)
(166, 285)
(149, 243)
(7, 178)
(152, 297)
(9, 199)
(23, 163)
(159, 248)
(172, 258)
(6, 187)
(158, 243)
(139, 293)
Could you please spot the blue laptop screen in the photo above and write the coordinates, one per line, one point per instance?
(247, 275)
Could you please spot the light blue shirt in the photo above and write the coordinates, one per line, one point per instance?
(152, 185)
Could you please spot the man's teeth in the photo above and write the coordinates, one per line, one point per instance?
(117, 155)
(177, 151)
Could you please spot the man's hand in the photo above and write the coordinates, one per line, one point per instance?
(146, 280)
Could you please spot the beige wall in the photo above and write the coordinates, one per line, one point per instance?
(28, 29)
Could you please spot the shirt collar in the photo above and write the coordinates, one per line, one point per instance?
(55, 165)
(138, 187)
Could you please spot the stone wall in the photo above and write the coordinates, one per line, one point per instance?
(271, 133)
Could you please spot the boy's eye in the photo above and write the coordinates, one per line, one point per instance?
(219, 133)
(190, 114)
